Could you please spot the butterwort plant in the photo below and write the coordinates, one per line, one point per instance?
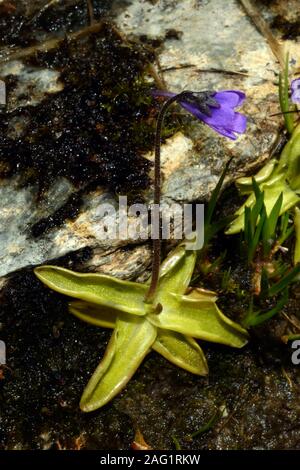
(166, 314)
(185, 314)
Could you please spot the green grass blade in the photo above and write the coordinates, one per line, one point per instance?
(262, 317)
(297, 232)
(256, 238)
(215, 194)
(269, 228)
(274, 215)
(285, 281)
(284, 96)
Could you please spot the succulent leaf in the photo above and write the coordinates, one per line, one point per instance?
(176, 272)
(94, 314)
(199, 318)
(183, 351)
(130, 342)
(95, 288)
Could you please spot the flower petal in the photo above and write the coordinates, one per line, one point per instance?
(231, 98)
(239, 123)
(223, 119)
(295, 89)
(193, 110)
(220, 117)
(224, 132)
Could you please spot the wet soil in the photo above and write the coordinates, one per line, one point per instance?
(50, 356)
(90, 132)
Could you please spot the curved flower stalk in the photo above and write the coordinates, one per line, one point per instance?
(276, 177)
(106, 302)
(166, 315)
(217, 110)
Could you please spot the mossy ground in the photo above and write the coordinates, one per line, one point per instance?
(50, 355)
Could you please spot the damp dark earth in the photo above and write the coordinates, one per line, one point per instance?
(77, 129)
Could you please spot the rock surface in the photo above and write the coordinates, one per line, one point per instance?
(200, 49)
(203, 49)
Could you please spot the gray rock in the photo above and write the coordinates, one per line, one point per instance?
(206, 46)
(20, 212)
(33, 84)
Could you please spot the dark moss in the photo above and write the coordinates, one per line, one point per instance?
(173, 34)
(96, 128)
(95, 131)
(288, 29)
(69, 210)
(11, 21)
(51, 354)
(261, 408)
(25, 23)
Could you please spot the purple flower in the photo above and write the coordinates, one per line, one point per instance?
(295, 90)
(216, 109)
